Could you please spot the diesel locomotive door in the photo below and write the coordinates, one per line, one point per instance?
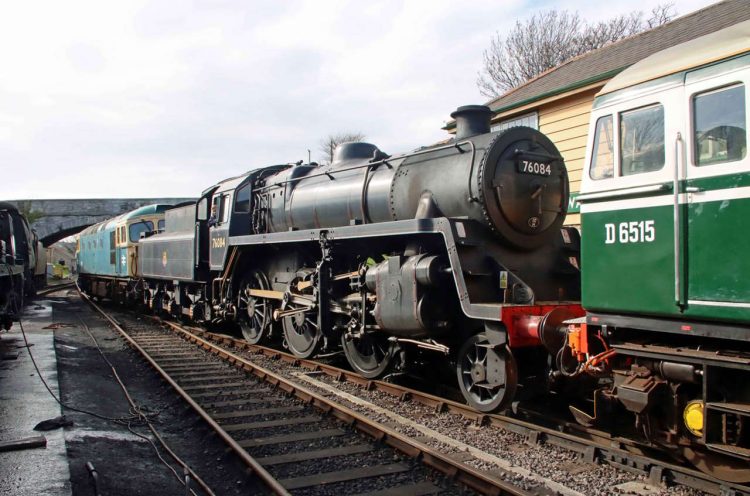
(718, 193)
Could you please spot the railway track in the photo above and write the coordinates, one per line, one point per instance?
(592, 445)
(55, 288)
(295, 440)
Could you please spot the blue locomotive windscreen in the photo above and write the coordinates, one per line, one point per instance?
(138, 228)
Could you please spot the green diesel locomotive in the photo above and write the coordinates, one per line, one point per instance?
(665, 265)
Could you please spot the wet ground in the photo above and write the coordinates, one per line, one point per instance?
(115, 442)
(24, 402)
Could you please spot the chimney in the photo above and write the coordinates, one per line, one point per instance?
(472, 120)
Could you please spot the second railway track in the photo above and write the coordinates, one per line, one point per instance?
(295, 440)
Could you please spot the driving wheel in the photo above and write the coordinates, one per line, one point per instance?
(487, 374)
(370, 355)
(301, 333)
(254, 313)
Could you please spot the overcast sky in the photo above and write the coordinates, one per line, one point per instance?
(164, 98)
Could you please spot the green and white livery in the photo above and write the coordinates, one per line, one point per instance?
(665, 219)
(666, 202)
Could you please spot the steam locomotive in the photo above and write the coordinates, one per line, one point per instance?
(457, 249)
(22, 263)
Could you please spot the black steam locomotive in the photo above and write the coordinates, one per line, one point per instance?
(455, 249)
(22, 263)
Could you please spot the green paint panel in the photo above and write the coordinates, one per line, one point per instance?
(720, 182)
(719, 251)
(631, 276)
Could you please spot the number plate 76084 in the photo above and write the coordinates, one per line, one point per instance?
(534, 167)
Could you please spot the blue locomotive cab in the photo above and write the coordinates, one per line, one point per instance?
(107, 254)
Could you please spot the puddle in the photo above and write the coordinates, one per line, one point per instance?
(81, 434)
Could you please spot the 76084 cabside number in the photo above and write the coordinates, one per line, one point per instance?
(635, 231)
(534, 167)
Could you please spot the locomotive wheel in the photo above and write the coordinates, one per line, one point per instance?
(254, 313)
(301, 334)
(370, 355)
(487, 374)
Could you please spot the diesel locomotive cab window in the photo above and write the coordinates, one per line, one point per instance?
(642, 140)
(603, 156)
(138, 228)
(160, 225)
(112, 257)
(719, 126)
(242, 199)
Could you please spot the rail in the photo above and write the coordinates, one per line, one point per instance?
(592, 444)
(457, 471)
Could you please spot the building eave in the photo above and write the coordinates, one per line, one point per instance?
(543, 98)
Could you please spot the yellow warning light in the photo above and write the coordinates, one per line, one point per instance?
(693, 417)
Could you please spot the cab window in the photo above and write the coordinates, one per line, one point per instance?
(242, 199)
(642, 140)
(112, 257)
(138, 228)
(719, 126)
(203, 209)
(224, 209)
(160, 225)
(603, 158)
(216, 208)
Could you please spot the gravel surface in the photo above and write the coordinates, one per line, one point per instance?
(548, 461)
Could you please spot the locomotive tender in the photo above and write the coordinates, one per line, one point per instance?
(456, 248)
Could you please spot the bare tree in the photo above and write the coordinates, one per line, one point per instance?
(31, 215)
(549, 38)
(329, 143)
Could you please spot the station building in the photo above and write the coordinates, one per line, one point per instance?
(558, 102)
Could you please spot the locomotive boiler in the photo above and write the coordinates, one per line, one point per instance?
(512, 182)
(456, 249)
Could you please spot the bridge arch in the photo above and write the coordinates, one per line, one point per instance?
(57, 219)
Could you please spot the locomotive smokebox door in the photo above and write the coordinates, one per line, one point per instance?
(525, 187)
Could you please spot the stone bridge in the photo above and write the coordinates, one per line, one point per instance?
(54, 220)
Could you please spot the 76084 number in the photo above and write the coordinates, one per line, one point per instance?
(532, 167)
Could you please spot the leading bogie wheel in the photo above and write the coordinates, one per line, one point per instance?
(487, 374)
(254, 315)
(370, 355)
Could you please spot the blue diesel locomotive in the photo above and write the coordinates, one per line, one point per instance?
(107, 252)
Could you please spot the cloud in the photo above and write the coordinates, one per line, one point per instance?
(139, 99)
